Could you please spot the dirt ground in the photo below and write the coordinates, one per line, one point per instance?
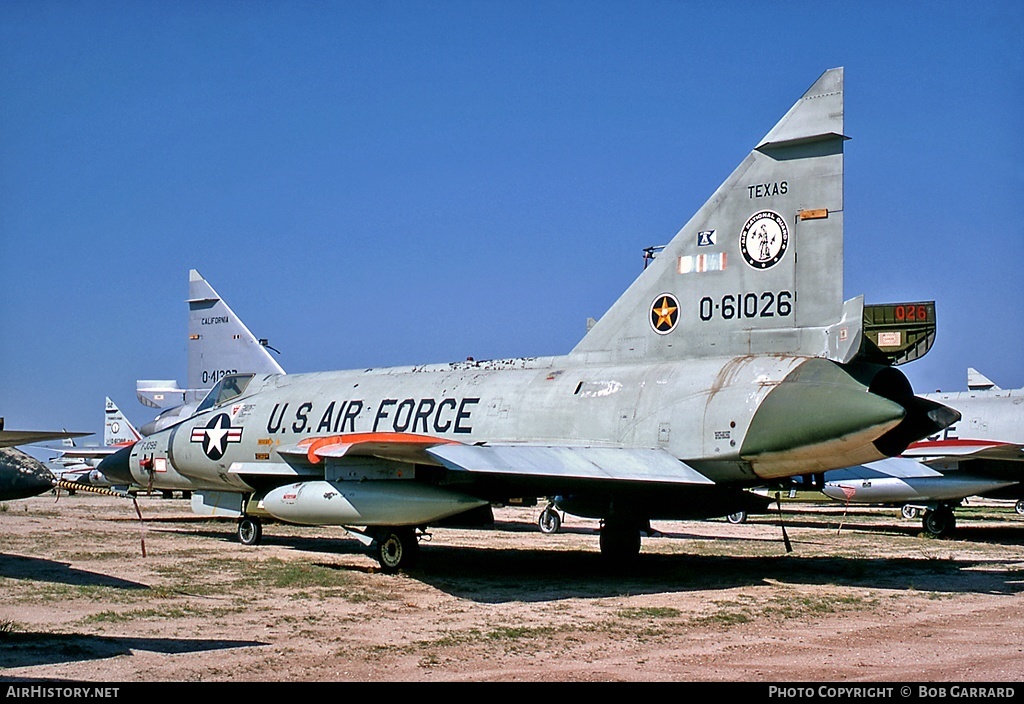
(862, 596)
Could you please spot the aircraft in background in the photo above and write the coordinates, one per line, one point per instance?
(21, 475)
(728, 363)
(219, 344)
(77, 463)
(980, 455)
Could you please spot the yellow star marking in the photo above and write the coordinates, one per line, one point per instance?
(664, 313)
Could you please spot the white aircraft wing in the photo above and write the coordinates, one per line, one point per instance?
(85, 453)
(11, 438)
(619, 463)
(556, 461)
(965, 450)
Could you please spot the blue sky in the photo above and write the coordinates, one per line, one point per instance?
(384, 183)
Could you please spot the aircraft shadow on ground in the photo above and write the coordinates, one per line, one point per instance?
(19, 567)
(496, 576)
(339, 544)
(998, 534)
(537, 571)
(28, 649)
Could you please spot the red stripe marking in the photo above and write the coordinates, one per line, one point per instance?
(956, 443)
(406, 439)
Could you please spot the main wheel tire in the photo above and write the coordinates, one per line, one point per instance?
(940, 522)
(1019, 507)
(250, 530)
(397, 548)
(620, 541)
(549, 521)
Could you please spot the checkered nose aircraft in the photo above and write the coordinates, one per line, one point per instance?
(981, 455)
(731, 361)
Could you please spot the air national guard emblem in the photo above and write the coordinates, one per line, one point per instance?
(216, 436)
(764, 239)
(664, 313)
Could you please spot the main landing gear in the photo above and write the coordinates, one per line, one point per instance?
(620, 540)
(396, 548)
(939, 521)
(250, 530)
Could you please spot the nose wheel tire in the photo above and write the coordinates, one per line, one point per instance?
(738, 517)
(397, 548)
(909, 511)
(250, 530)
(549, 521)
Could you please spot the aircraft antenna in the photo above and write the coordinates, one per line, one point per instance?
(265, 343)
(651, 252)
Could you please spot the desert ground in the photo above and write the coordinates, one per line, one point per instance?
(89, 593)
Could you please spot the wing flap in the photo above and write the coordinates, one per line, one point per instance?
(631, 464)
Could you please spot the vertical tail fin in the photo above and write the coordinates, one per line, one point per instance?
(219, 342)
(976, 381)
(759, 268)
(117, 429)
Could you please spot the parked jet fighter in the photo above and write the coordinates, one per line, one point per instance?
(982, 455)
(729, 362)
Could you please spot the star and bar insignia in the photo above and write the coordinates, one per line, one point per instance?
(216, 436)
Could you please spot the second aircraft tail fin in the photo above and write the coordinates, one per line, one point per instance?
(219, 343)
(117, 429)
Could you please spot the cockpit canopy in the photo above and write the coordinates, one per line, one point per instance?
(230, 387)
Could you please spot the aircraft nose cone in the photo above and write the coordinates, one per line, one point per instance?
(820, 406)
(21, 475)
(117, 467)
